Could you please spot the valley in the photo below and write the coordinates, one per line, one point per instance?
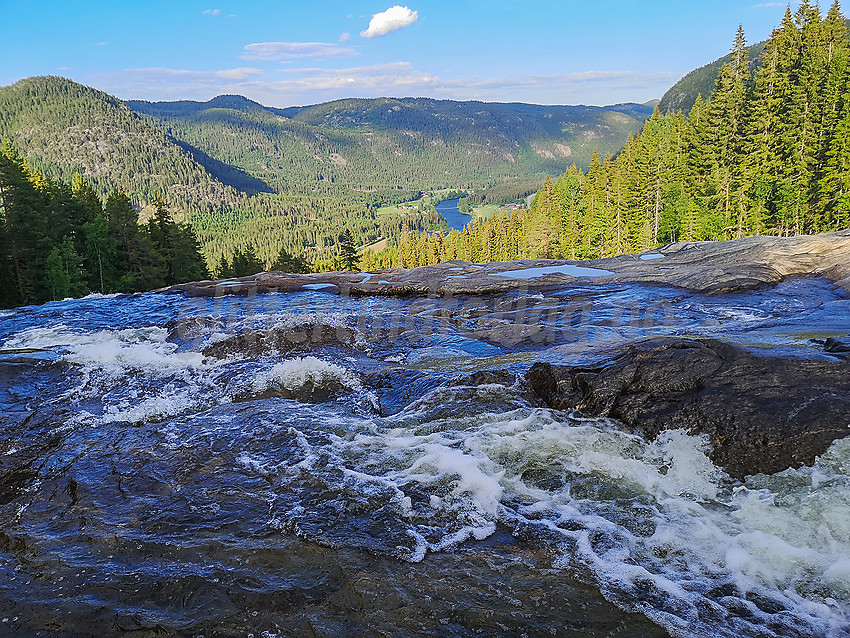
(269, 182)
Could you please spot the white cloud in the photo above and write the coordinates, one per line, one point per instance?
(101, 44)
(392, 19)
(164, 81)
(212, 12)
(281, 50)
(344, 37)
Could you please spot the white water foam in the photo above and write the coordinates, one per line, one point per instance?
(308, 373)
(656, 526)
(135, 374)
(132, 348)
(99, 295)
(296, 373)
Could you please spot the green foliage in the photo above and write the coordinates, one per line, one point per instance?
(347, 257)
(510, 192)
(769, 153)
(63, 273)
(59, 240)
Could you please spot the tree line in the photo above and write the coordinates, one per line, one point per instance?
(767, 154)
(61, 240)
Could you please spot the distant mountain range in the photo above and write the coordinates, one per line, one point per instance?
(207, 153)
(407, 144)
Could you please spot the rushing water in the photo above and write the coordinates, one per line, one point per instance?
(311, 464)
(456, 220)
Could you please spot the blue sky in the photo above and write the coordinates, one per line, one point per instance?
(288, 52)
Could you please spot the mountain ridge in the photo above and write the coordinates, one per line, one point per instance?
(64, 127)
(548, 138)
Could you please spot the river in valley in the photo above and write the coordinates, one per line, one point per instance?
(449, 210)
(312, 464)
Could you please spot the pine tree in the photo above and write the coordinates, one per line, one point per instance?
(63, 271)
(26, 228)
(347, 257)
(100, 255)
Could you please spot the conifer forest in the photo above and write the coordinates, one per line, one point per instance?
(767, 153)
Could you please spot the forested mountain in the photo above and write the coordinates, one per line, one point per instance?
(64, 128)
(769, 153)
(408, 144)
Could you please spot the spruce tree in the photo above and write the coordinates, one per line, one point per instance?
(347, 257)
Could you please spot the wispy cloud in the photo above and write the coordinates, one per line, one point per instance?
(387, 77)
(392, 19)
(238, 74)
(344, 37)
(101, 44)
(283, 50)
(211, 12)
(291, 86)
(162, 80)
(767, 5)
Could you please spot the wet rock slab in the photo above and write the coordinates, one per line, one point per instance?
(707, 267)
(761, 414)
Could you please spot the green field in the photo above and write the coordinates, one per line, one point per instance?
(432, 197)
(396, 208)
(486, 211)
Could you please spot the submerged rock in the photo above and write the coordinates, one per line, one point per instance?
(837, 346)
(280, 340)
(761, 414)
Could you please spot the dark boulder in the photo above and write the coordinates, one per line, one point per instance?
(837, 346)
(761, 414)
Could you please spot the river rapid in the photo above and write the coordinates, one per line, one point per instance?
(317, 464)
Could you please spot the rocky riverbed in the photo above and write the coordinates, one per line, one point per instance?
(641, 446)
